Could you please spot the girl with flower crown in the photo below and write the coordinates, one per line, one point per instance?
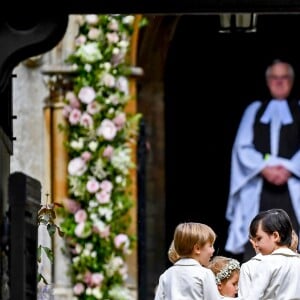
(227, 271)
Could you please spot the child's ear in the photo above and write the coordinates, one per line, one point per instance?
(197, 248)
(276, 236)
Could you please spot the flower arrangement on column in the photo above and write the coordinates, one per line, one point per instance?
(99, 141)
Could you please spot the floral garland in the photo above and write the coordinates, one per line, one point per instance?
(100, 134)
(227, 270)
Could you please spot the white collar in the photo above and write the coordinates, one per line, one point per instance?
(278, 108)
(284, 251)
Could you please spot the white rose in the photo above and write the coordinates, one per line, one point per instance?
(93, 145)
(122, 85)
(77, 166)
(91, 19)
(89, 53)
(123, 44)
(87, 94)
(107, 129)
(108, 80)
(77, 145)
(128, 19)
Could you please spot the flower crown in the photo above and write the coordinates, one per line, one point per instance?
(232, 265)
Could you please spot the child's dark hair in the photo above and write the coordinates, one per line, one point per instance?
(272, 220)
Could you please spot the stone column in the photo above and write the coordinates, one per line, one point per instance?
(56, 165)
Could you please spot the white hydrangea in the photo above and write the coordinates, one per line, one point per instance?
(121, 159)
(120, 293)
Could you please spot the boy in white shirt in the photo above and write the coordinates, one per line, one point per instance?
(189, 278)
(276, 275)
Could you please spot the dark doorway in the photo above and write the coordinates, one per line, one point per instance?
(209, 79)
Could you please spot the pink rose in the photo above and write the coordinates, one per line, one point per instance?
(86, 120)
(93, 186)
(105, 232)
(112, 37)
(78, 288)
(80, 216)
(103, 197)
(97, 279)
(86, 155)
(87, 278)
(120, 120)
(74, 116)
(121, 241)
(108, 151)
(93, 108)
(82, 230)
(94, 33)
(106, 186)
(73, 101)
(66, 111)
(80, 40)
(71, 205)
(113, 25)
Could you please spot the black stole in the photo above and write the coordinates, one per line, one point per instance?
(289, 140)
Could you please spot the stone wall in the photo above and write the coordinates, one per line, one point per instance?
(30, 92)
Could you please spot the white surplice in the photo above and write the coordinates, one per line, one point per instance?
(245, 179)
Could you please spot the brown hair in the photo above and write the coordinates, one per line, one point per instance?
(187, 235)
(295, 241)
(172, 254)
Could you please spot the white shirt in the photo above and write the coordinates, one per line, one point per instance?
(276, 277)
(187, 280)
(246, 274)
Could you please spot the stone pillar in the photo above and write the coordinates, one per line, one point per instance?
(56, 165)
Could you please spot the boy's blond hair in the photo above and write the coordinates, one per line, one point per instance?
(187, 235)
(223, 267)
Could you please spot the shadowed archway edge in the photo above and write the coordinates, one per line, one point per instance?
(28, 37)
(158, 34)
